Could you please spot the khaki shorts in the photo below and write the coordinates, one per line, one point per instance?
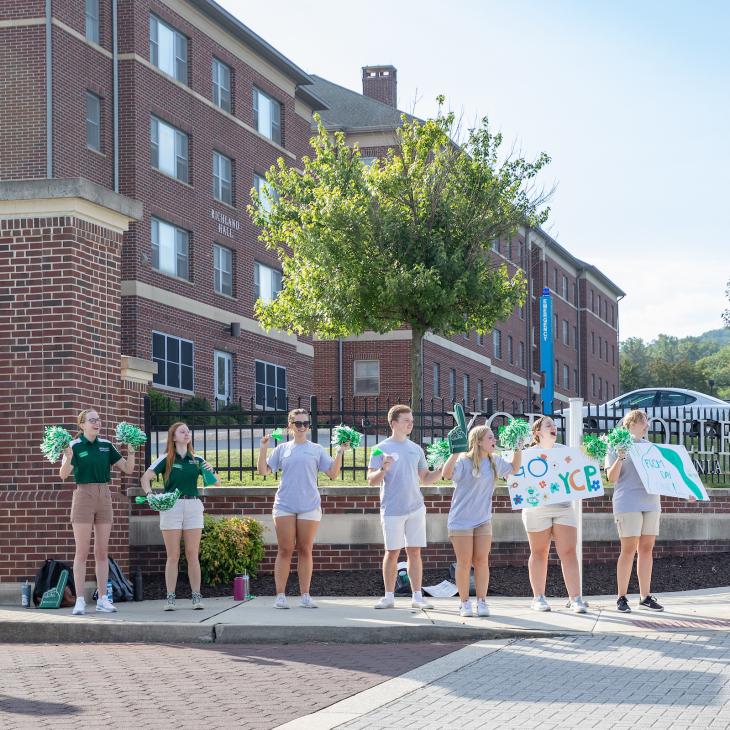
(635, 524)
(537, 519)
(91, 504)
(479, 531)
(314, 515)
(185, 514)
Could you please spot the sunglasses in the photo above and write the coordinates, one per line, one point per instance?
(93, 420)
(300, 424)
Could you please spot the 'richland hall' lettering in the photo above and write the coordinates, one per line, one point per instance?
(226, 225)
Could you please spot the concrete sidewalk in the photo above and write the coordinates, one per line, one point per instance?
(354, 620)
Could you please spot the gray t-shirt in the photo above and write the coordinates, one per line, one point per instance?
(629, 494)
(400, 492)
(299, 464)
(471, 504)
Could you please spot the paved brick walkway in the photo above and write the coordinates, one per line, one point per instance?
(150, 686)
(608, 681)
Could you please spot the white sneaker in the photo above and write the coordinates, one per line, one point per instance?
(280, 602)
(482, 609)
(170, 602)
(306, 602)
(385, 603)
(421, 605)
(465, 610)
(539, 603)
(578, 605)
(79, 607)
(104, 605)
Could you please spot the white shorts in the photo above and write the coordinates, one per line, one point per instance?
(636, 524)
(537, 519)
(404, 530)
(186, 514)
(315, 514)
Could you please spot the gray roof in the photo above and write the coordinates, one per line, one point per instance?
(353, 112)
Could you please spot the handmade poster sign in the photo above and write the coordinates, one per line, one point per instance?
(551, 476)
(667, 469)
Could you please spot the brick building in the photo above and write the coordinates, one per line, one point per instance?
(505, 364)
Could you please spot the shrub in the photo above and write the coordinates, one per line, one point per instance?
(159, 404)
(195, 411)
(230, 546)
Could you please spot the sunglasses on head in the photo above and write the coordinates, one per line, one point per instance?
(300, 424)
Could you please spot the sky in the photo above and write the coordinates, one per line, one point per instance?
(630, 98)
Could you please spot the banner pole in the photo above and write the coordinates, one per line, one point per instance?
(575, 439)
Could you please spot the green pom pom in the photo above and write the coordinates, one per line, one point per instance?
(595, 446)
(278, 434)
(619, 439)
(344, 435)
(515, 435)
(130, 435)
(160, 501)
(437, 453)
(55, 441)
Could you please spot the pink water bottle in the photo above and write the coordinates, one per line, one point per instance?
(239, 590)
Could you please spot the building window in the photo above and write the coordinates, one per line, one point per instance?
(575, 380)
(480, 394)
(600, 388)
(555, 280)
(367, 377)
(169, 149)
(522, 312)
(613, 315)
(522, 355)
(566, 377)
(93, 121)
(221, 78)
(555, 326)
(168, 49)
(532, 335)
(270, 386)
(510, 350)
(466, 335)
(565, 287)
(575, 337)
(566, 332)
(92, 20)
(592, 301)
(222, 178)
(556, 373)
(267, 282)
(497, 343)
(593, 343)
(170, 249)
(495, 244)
(480, 339)
(466, 388)
(436, 380)
(613, 354)
(509, 248)
(267, 194)
(593, 384)
(267, 116)
(223, 368)
(367, 161)
(452, 385)
(223, 270)
(174, 358)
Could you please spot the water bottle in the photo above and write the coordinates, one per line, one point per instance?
(246, 586)
(138, 586)
(110, 591)
(25, 595)
(239, 588)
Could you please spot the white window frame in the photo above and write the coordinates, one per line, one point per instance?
(93, 121)
(92, 25)
(366, 383)
(220, 85)
(497, 343)
(510, 350)
(436, 380)
(168, 49)
(267, 114)
(267, 194)
(222, 178)
(169, 149)
(265, 279)
(566, 332)
(161, 377)
(222, 277)
(566, 376)
(174, 260)
(226, 360)
(281, 400)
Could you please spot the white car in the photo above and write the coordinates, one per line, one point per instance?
(674, 406)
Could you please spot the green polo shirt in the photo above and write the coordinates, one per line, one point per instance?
(92, 460)
(183, 475)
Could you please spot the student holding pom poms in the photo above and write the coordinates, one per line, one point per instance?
(91, 457)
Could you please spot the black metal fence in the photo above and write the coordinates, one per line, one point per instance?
(228, 434)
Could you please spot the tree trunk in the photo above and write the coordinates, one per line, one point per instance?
(417, 376)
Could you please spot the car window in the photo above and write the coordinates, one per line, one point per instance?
(675, 399)
(645, 399)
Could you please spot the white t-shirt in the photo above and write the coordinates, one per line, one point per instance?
(400, 492)
(299, 464)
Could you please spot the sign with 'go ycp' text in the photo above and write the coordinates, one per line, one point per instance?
(552, 476)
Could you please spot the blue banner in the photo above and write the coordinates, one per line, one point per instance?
(547, 391)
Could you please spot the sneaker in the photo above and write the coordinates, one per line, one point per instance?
(651, 604)
(578, 605)
(539, 603)
(385, 603)
(280, 601)
(170, 604)
(79, 607)
(306, 601)
(623, 605)
(197, 602)
(104, 605)
(421, 605)
(482, 609)
(465, 610)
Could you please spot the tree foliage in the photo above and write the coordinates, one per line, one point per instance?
(404, 241)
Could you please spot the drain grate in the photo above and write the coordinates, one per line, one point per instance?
(698, 623)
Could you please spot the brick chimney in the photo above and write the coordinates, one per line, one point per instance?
(381, 83)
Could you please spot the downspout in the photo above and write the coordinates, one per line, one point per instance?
(115, 93)
(49, 91)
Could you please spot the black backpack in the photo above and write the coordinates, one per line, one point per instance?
(402, 581)
(47, 578)
(122, 587)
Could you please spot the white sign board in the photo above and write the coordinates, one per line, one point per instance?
(667, 469)
(551, 476)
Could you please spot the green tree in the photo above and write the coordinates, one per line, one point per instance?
(405, 241)
(717, 368)
(726, 313)
(634, 364)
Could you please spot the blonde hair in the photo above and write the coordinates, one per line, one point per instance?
(81, 419)
(536, 426)
(395, 412)
(633, 416)
(474, 454)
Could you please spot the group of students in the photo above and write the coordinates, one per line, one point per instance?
(399, 467)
